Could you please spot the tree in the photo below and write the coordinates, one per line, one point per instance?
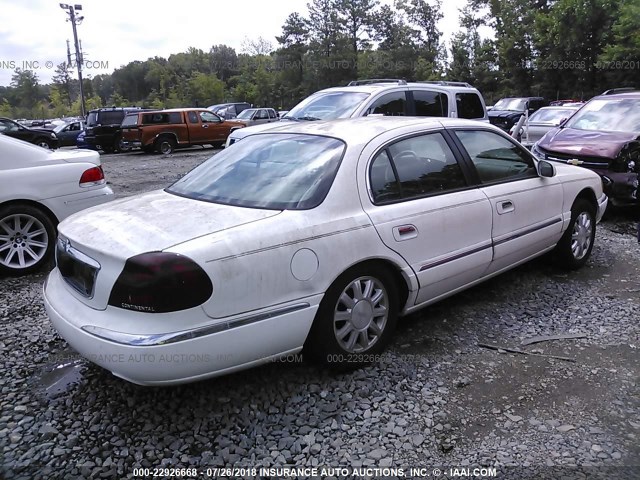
(256, 47)
(290, 57)
(357, 16)
(204, 89)
(620, 59)
(26, 91)
(425, 17)
(63, 82)
(224, 61)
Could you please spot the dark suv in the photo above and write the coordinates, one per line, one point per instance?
(507, 111)
(603, 136)
(103, 128)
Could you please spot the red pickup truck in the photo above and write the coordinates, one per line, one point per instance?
(165, 130)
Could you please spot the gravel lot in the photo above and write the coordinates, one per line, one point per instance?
(437, 399)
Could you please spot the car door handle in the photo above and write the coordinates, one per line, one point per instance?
(505, 206)
(404, 232)
(205, 126)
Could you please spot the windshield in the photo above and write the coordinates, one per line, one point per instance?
(92, 119)
(609, 115)
(245, 114)
(552, 116)
(515, 104)
(327, 106)
(271, 171)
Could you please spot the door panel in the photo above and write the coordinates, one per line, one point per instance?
(526, 209)
(439, 226)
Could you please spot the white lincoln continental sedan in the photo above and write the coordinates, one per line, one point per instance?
(316, 236)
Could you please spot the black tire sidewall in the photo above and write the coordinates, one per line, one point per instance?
(43, 218)
(169, 141)
(322, 345)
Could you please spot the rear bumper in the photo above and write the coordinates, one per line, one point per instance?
(179, 356)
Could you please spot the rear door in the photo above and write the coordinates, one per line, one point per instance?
(422, 206)
(526, 208)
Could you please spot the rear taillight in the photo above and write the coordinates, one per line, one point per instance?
(159, 282)
(91, 177)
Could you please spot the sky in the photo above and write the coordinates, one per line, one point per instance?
(33, 33)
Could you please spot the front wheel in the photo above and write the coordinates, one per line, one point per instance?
(44, 143)
(574, 248)
(27, 237)
(355, 320)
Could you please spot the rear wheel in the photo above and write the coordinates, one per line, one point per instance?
(119, 144)
(574, 248)
(165, 145)
(27, 237)
(356, 319)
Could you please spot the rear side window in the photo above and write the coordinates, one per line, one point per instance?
(469, 105)
(415, 167)
(272, 114)
(430, 104)
(159, 118)
(193, 117)
(392, 104)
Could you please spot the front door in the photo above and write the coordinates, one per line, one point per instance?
(526, 208)
(423, 208)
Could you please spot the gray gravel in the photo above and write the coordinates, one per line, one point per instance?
(436, 399)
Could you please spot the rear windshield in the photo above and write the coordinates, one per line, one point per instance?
(270, 171)
(130, 120)
(110, 117)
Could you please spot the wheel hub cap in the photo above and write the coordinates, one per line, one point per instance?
(23, 241)
(581, 235)
(362, 314)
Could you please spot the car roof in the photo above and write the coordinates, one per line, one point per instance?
(376, 87)
(355, 130)
(632, 95)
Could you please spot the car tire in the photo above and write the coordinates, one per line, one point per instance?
(119, 146)
(347, 332)
(27, 239)
(165, 145)
(44, 143)
(574, 248)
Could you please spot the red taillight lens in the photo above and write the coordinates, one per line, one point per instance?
(93, 176)
(160, 282)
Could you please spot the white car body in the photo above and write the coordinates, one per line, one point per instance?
(375, 92)
(542, 121)
(48, 181)
(270, 268)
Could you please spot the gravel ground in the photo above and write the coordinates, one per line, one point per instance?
(436, 399)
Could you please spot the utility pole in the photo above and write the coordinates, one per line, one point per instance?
(71, 11)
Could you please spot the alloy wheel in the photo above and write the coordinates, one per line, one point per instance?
(23, 241)
(581, 235)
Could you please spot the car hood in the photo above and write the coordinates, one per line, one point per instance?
(152, 222)
(585, 142)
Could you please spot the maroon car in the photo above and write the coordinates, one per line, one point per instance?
(604, 136)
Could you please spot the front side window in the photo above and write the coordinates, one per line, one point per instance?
(392, 104)
(415, 167)
(495, 157)
(430, 104)
(114, 117)
(469, 105)
(270, 171)
(8, 126)
(193, 117)
(245, 114)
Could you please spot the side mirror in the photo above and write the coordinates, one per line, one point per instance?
(546, 169)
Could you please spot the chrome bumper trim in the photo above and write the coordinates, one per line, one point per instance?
(157, 339)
